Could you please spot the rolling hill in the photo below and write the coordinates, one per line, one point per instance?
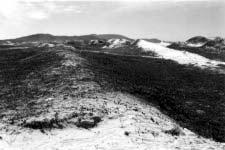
(53, 38)
(141, 95)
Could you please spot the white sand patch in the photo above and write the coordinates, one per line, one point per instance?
(71, 60)
(68, 47)
(165, 44)
(8, 43)
(143, 124)
(21, 47)
(46, 45)
(195, 45)
(116, 43)
(182, 57)
(69, 63)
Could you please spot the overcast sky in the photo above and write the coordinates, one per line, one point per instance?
(166, 20)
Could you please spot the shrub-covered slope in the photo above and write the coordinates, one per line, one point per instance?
(192, 96)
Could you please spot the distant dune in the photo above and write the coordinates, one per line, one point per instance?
(52, 38)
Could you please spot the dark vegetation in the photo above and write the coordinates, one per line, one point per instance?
(44, 124)
(26, 77)
(198, 39)
(215, 43)
(193, 97)
(127, 133)
(176, 131)
(19, 89)
(218, 43)
(86, 45)
(88, 123)
(56, 122)
(6, 46)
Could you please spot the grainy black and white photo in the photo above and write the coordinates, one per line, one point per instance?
(112, 75)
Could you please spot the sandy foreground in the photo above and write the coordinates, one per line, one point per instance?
(130, 124)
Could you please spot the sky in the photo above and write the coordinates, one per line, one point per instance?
(174, 20)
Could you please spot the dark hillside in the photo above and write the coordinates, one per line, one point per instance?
(46, 83)
(43, 38)
(153, 40)
(193, 97)
(51, 38)
(112, 36)
(22, 74)
(198, 39)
